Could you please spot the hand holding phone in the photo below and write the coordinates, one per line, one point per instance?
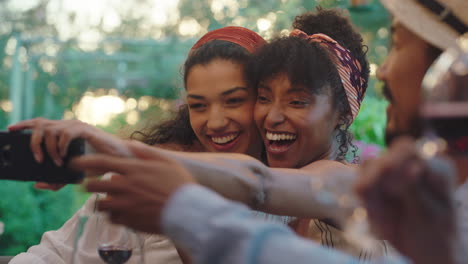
(56, 136)
(17, 161)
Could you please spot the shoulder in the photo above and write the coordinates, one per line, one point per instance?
(196, 147)
(333, 169)
(330, 165)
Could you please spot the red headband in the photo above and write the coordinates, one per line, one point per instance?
(348, 68)
(243, 37)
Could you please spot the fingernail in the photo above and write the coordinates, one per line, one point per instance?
(37, 157)
(82, 188)
(58, 162)
(56, 186)
(38, 185)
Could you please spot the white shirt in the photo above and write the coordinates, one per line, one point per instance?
(56, 247)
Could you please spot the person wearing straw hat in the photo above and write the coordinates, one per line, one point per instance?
(401, 190)
(221, 232)
(421, 31)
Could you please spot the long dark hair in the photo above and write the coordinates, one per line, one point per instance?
(177, 130)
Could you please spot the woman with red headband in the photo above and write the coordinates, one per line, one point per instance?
(217, 118)
(218, 114)
(311, 96)
(310, 87)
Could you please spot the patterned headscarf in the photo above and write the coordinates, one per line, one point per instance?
(348, 68)
(243, 37)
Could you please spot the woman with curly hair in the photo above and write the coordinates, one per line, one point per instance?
(310, 86)
(220, 106)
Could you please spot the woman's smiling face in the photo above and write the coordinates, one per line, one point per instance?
(221, 107)
(297, 126)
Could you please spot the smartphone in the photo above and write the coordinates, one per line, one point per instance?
(17, 161)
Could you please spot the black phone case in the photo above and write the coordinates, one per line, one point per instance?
(17, 161)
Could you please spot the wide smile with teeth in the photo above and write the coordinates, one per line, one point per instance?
(280, 136)
(279, 142)
(224, 139)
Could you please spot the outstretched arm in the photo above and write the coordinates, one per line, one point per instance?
(308, 192)
(235, 176)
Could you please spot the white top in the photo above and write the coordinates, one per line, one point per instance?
(56, 247)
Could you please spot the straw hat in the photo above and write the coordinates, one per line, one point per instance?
(426, 24)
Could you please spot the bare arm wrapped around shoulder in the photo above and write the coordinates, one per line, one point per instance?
(306, 192)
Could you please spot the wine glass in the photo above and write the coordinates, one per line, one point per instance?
(98, 240)
(117, 243)
(444, 111)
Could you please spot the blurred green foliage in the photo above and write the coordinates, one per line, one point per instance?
(370, 122)
(27, 212)
(137, 58)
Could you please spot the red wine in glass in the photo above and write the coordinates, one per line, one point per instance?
(113, 244)
(117, 244)
(114, 255)
(449, 121)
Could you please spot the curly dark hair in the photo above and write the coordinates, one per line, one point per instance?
(334, 23)
(309, 64)
(177, 129)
